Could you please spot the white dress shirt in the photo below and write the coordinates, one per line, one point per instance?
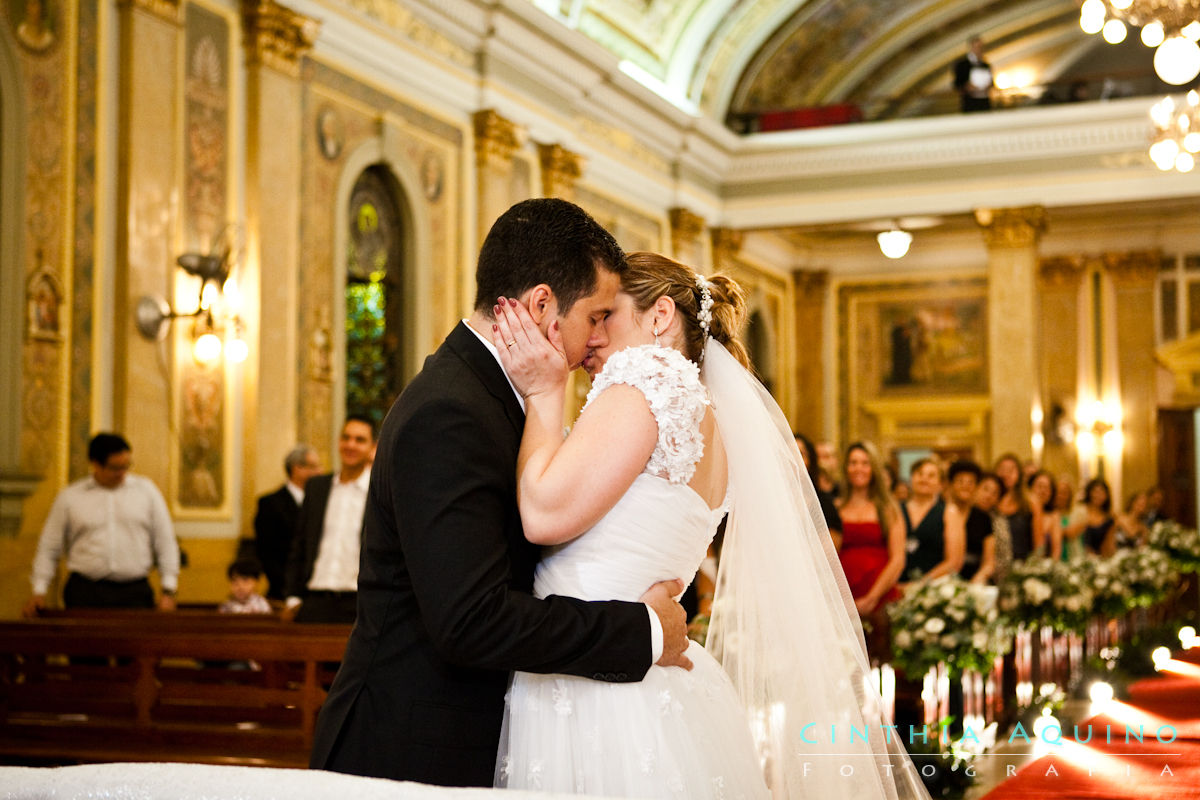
(336, 567)
(656, 631)
(116, 534)
(296, 492)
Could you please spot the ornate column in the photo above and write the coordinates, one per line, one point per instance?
(810, 289)
(1059, 281)
(496, 141)
(1012, 237)
(686, 244)
(276, 39)
(726, 244)
(147, 222)
(1133, 277)
(560, 170)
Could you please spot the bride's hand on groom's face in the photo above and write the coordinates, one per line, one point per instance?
(534, 363)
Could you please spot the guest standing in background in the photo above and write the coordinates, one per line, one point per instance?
(322, 574)
(973, 78)
(1064, 504)
(997, 560)
(828, 504)
(275, 519)
(872, 553)
(980, 544)
(1093, 522)
(113, 528)
(1024, 518)
(1131, 526)
(1041, 495)
(935, 530)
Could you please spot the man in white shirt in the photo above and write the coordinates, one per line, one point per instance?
(973, 78)
(322, 572)
(113, 528)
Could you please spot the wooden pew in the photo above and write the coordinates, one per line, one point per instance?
(148, 686)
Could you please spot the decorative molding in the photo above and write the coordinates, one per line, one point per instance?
(164, 9)
(686, 227)
(1012, 227)
(560, 170)
(276, 36)
(15, 488)
(399, 19)
(1061, 271)
(623, 142)
(496, 138)
(1133, 269)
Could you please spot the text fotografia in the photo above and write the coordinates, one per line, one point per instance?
(1049, 734)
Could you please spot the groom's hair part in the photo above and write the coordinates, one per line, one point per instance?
(544, 240)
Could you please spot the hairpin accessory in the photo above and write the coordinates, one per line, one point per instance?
(704, 315)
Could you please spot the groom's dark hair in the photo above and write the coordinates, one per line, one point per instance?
(544, 240)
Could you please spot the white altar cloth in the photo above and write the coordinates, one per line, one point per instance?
(207, 782)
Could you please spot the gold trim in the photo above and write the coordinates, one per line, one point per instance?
(275, 36)
(1135, 268)
(496, 138)
(1012, 227)
(1061, 271)
(686, 227)
(164, 9)
(561, 170)
(726, 244)
(811, 284)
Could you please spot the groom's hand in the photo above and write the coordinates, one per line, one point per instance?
(661, 599)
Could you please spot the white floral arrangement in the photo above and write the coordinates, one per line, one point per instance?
(1148, 573)
(1181, 544)
(947, 620)
(1040, 591)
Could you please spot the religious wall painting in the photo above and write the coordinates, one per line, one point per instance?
(35, 23)
(44, 304)
(932, 344)
(206, 127)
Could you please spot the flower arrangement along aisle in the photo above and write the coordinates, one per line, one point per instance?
(1134, 578)
(1045, 592)
(1182, 545)
(950, 620)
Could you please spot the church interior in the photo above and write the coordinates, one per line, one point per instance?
(226, 225)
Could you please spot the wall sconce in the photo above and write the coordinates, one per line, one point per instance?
(153, 313)
(1098, 431)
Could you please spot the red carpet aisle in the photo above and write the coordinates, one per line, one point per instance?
(1109, 768)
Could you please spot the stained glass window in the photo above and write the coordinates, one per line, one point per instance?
(373, 267)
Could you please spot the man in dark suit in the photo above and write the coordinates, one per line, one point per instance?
(275, 519)
(973, 78)
(322, 570)
(444, 606)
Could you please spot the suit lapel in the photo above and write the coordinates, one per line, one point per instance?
(481, 362)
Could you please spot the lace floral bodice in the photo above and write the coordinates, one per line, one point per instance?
(671, 384)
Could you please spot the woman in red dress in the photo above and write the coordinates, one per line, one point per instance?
(873, 536)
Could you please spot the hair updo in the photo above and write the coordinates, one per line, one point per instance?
(651, 276)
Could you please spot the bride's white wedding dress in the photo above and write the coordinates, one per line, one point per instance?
(675, 734)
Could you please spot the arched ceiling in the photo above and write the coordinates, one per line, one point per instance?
(892, 58)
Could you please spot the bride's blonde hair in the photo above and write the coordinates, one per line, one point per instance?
(651, 276)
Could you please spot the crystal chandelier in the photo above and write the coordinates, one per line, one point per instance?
(1172, 27)
(1177, 135)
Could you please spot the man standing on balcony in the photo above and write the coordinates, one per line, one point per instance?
(973, 78)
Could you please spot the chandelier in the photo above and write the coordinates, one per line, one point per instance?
(1172, 27)
(1177, 135)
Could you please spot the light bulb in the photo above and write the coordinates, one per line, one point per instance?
(1191, 30)
(1191, 142)
(207, 348)
(1162, 112)
(1185, 162)
(1186, 634)
(1160, 656)
(1091, 16)
(1100, 692)
(1114, 31)
(894, 243)
(1121, 5)
(237, 350)
(1177, 60)
(1153, 34)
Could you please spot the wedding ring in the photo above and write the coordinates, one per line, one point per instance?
(510, 344)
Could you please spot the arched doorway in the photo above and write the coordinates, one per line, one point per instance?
(374, 294)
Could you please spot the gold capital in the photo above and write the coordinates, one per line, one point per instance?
(686, 227)
(811, 283)
(275, 36)
(166, 9)
(1061, 271)
(560, 170)
(726, 243)
(496, 138)
(1136, 268)
(1012, 227)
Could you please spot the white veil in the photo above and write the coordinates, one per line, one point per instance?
(784, 625)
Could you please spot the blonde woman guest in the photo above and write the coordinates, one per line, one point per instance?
(936, 530)
(1041, 495)
(1024, 518)
(1063, 508)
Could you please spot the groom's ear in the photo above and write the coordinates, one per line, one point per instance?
(539, 301)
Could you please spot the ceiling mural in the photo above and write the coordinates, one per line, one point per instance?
(730, 59)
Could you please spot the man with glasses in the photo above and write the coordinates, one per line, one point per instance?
(113, 528)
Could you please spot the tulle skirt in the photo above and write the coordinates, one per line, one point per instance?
(675, 734)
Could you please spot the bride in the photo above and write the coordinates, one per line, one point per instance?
(676, 434)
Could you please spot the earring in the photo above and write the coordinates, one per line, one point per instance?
(656, 335)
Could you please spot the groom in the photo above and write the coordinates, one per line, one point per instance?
(444, 605)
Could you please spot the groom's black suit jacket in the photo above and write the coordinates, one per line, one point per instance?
(444, 610)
